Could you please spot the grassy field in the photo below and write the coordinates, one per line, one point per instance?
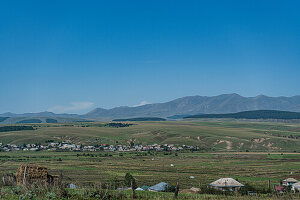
(90, 169)
(251, 152)
(87, 169)
(210, 136)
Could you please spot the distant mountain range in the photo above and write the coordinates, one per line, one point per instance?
(190, 105)
(40, 114)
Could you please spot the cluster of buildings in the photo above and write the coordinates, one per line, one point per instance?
(230, 184)
(224, 184)
(288, 184)
(65, 146)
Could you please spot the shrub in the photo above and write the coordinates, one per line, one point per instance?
(51, 195)
(28, 195)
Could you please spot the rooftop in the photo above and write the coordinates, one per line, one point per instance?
(226, 182)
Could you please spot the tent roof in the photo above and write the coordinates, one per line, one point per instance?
(159, 187)
(296, 185)
(145, 187)
(226, 182)
(290, 180)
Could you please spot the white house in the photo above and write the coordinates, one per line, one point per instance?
(289, 182)
(226, 184)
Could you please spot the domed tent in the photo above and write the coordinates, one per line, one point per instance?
(160, 187)
(226, 184)
(289, 181)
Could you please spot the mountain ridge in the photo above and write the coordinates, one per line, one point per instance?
(221, 104)
(188, 105)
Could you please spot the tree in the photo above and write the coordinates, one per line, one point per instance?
(128, 179)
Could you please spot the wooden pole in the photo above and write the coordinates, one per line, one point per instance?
(176, 191)
(24, 176)
(133, 188)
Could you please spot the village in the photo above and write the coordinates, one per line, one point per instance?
(66, 146)
(32, 174)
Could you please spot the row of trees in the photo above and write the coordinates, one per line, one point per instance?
(15, 128)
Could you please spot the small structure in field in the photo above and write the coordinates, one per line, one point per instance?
(226, 184)
(160, 187)
(145, 187)
(279, 189)
(29, 174)
(296, 187)
(289, 182)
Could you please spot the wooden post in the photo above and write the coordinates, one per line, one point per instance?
(269, 184)
(60, 178)
(133, 188)
(24, 176)
(176, 191)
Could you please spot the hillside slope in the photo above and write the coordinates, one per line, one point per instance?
(256, 114)
(227, 103)
(209, 136)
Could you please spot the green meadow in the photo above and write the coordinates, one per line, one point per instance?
(148, 169)
(209, 136)
(250, 152)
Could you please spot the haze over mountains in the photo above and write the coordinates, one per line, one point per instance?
(190, 105)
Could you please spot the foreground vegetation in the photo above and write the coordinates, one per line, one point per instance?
(37, 193)
(89, 170)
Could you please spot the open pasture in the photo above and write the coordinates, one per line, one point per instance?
(149, 169)
(251, 152)
(209, 136)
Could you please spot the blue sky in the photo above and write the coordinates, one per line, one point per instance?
(72, 56)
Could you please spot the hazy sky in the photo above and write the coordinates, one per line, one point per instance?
(72, 56)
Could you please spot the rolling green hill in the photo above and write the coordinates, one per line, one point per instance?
(209, 136)
(25, 121)
(256, 114)
(3, 119)
(49, 120)
(15, 128)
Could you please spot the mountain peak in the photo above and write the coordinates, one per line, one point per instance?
(233, 94)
